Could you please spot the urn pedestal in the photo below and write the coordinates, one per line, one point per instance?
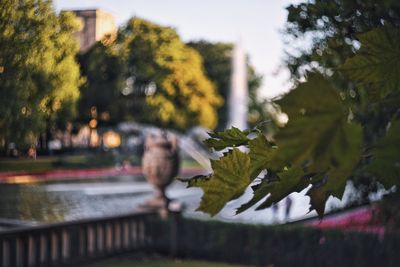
(160, 164)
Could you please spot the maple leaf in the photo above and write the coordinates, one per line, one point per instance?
(230, 178)
(377, 65)
(318, 139)
(288, 181)
(385, 162)
(228, 138)
(260, 153)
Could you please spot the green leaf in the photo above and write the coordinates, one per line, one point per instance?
(315, 111)
(228, 138)
(318, 138)
(230, 178)
(377, 64)
(291, 180)
(385, 164)
(260, 153)
(347, 151)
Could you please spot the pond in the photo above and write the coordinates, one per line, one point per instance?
(72, 200)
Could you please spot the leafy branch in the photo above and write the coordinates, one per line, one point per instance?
(320, 146)
(321, 154)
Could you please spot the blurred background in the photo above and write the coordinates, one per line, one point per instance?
(108, 74)
(90, 79)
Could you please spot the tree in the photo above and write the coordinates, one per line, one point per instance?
(325, 33)
(217, 58)
(184, 96)
(39, 76)
(149, 75)
(104, 70)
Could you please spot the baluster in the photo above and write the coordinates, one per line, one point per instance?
(109, 232)
(121, 234)
(6, 253)
(141, 233)
(83, 241)
(48, 250)
(12, 251)
(59, 247)
(117, 236)
(100, 239)
(1, 253)
(43, 249)
(90, 240)
(74, 243)
(95, 238)
(134, 234)
(25, 250)
(126, 234)
(31, 251)
(129, 234)
(65, 253)
(53, 242)
(36, 249)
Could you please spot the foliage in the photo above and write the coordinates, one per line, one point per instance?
(326, 32)
(330, 137)
(217, 67)
(184, 96)
(40, 77)
(323, 35)
(148, 75)
(322, 155)
(386, 157)
(227, 138)
(229, 180)
(104, 70)
(323, 142)
(375, 69)
(377, 65)
(217, 58)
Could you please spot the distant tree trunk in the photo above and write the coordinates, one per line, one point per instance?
(42, 141)
(4, 150)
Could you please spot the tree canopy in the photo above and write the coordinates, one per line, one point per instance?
(154, 76)
(326, 32)
(39, 79)
(104, 70)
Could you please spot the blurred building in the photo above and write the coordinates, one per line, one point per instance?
(96, 25)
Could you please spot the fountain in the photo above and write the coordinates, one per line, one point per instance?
(238, 97)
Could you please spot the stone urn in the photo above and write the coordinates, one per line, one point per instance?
(160, 164)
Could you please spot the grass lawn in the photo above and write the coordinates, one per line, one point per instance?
(48, 163)
(158, 263)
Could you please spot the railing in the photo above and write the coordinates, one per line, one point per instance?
(75, 243)
(67, 243)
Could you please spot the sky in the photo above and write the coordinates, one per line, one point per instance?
(256, 24)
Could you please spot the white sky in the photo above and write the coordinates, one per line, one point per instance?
(256, 23)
